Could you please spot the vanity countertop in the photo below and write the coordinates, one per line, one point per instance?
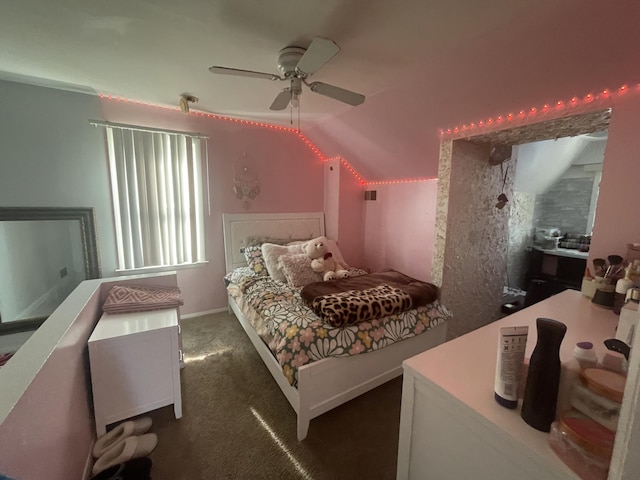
(563, 252)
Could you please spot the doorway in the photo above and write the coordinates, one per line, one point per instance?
(551, 216)
(472, 235)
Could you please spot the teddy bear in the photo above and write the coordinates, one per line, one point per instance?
(323, 261)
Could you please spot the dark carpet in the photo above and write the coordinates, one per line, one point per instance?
(237, 424)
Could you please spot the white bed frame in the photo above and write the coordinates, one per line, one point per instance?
(330, 382)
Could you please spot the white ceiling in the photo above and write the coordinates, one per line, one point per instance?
(541, 164)
(156, 50)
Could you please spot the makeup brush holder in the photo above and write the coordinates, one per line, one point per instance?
(588, 287)
(604, 297)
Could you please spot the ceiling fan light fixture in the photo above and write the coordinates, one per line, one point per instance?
(295, 100)
(296, 64)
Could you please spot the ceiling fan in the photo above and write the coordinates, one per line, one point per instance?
(296, 64)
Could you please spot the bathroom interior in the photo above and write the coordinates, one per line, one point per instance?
(551, 217)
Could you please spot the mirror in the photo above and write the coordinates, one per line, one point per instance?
(44, 254)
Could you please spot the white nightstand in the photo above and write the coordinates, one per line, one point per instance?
(135, 365)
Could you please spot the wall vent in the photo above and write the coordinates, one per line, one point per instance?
(370, 194)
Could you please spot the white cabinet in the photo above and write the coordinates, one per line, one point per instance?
(450, 425)
(135, 365)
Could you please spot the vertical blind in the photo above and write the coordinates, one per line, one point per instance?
(156, 181)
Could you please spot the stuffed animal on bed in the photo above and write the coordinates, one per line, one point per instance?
(323, 261)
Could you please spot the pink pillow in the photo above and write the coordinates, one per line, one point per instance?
(271, 254)
(141, 298)
(297, 270)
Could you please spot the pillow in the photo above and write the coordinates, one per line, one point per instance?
(255, 261)
(238, 274)
(272, 252)
(297, 270)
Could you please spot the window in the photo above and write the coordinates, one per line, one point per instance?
(156, 182)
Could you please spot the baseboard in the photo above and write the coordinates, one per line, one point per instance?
(207, 312)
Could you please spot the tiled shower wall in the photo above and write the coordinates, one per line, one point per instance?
(565, 205)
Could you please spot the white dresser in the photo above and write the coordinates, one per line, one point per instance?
(452, 428)
(135, 365)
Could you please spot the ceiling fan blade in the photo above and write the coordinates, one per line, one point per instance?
(243, 73)
(341, 94)
(282, 100)
(319, 52)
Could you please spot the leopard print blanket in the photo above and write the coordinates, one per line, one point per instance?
(354, 306)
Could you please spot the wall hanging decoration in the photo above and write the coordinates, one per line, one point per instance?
(498, 156)
(246, 185)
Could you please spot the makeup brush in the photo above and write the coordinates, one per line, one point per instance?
(616, 266)
(614, 259)
(599, 267)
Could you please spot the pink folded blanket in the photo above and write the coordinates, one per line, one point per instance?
(139, 298)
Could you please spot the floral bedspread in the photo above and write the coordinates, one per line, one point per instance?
(299, 336)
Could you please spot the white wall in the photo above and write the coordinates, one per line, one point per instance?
(399, 228)
(52, 156)
(542, 164)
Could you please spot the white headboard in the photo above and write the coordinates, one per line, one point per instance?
(238, 226)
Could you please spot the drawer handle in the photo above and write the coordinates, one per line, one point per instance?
(180, 355)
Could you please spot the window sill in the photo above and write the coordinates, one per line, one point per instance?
(163, 268)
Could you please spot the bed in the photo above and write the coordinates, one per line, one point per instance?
(320, 385)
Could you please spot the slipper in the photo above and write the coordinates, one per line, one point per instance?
(129, 449)
(116, 435)
(135, 469)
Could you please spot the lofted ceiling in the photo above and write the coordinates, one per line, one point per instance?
(155, 50)
(410, 58)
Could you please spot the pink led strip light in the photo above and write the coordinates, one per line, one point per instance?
(559, 108)
(459, 130)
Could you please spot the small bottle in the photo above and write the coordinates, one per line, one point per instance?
(622, 286)
(586, 356)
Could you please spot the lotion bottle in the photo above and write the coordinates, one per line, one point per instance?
(511, 349)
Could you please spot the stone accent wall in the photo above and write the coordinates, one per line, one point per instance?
(565, 205)
(471, 258)
(471, 235)
(442, 211)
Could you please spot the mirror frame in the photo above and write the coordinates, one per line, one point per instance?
(89, 238)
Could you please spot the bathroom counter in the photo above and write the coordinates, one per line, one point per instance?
(563, 252)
